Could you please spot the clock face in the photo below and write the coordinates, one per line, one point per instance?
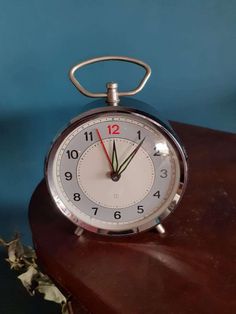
(114, 171)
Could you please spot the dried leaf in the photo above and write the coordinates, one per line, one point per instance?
(15, 252)
(65, 309)
(29, 253)
(2, 242)
(21, 257)
(27, 278)
(51, 292)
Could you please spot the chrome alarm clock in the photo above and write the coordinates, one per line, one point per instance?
(116, 169)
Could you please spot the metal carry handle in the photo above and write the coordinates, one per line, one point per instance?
(112, 94)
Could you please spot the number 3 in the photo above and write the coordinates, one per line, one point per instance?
(164, 173)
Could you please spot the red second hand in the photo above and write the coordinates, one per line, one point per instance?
(104, 148)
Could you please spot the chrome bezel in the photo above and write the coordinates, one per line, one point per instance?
(139, 226)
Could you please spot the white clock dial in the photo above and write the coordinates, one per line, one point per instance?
(94, 175)
(114, 171)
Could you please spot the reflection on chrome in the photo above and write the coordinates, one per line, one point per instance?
(162, 148)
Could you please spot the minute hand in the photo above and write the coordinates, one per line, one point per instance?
(127, 161)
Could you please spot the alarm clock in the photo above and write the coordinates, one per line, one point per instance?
(116, 169)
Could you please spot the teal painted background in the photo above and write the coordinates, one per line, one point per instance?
(190, 45)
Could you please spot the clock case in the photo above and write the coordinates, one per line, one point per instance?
(136, 108)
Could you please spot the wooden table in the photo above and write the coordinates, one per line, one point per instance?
(192, 269)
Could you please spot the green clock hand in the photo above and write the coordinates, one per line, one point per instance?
(127, 161)
(114, 158)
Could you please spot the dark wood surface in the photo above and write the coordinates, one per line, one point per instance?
(190, 270)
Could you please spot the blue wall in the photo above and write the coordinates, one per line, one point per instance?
(190, 45)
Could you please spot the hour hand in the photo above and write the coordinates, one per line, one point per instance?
(114, 158)
(115, 176)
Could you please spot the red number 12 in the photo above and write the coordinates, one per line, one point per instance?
(113, 129)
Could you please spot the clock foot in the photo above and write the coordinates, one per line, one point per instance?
(160, 229)
(79, 231)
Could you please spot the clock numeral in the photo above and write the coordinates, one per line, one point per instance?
(158, 194)
(164, 173)
(139, 135)
(72, 154)
(117, 215)
(88, 136)
(140, 209)
(68, 176)
(77, 197)
(157, 152)
(95, 210)
(113, 129)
